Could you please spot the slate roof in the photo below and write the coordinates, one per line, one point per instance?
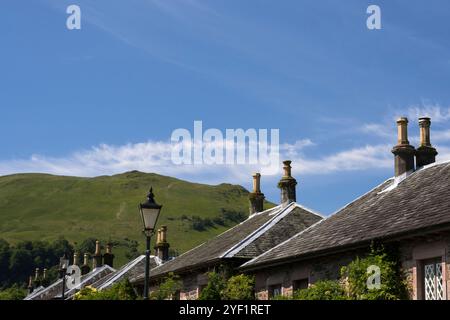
(130, 270)
(394, 208)
(90, 278)
(248, 239)
(54, 290)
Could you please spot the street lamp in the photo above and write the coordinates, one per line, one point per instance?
(149, 213)
(63, 265)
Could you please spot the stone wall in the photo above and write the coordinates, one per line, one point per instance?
(413, 253)
(314, 270)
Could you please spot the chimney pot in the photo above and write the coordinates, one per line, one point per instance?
(108, 257)
(162, 246)
(403, 151)
(97, 260)
(287, 168)
(97, 247)
(85, 267)
(158, 236)
(36, 274)
(402, 127)
(75, 259)
(257, 183)
(256, 197)
(425, 153)
(163, 234)
(44, 276)
(287, 184)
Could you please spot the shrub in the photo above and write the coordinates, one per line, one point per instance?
(239, 287)
(168, 288)
(13, 293)
(120, 291)
(216, 284)
(322, 290)
(392, 286)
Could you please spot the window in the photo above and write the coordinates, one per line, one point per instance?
(275, 290)
(300, 284)
(433, 280)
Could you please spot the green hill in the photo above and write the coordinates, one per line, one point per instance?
(45, 207)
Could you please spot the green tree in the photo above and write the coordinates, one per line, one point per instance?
(87, 246)
(13, 293)
(5, 253)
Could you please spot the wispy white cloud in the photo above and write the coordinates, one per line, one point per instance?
(156, 157)
(436, 112)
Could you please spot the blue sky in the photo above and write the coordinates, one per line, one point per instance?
(106, 98)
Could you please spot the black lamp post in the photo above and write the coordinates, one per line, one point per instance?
(63, 265)
(149, 212)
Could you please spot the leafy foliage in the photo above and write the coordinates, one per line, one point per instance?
(239, 287)
(120, 291)
(18, 262)
(222, 286)
(354, 277)
(13, 293)
(167, 288)
(393, 284)
(216, 284)
(322, 290)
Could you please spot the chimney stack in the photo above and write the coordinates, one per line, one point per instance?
(36, 274)
(403, 151)
(108, 257)
(44, 275)
(287, 185)
(97, 260)
(256, 197)
(425, 153)
(85, 267)
(162, 246)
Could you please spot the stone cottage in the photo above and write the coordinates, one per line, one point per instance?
(410, 211)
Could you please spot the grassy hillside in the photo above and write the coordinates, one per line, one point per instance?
(44, 207)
